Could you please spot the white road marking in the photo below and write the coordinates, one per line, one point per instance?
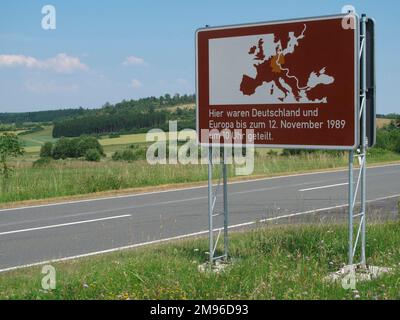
(133, 246)
(157, 204)
(185, 189)
(325, 187)
(64, 224)
(303, 213)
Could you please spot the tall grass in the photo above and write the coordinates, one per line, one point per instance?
(268, 263)
(67, 178)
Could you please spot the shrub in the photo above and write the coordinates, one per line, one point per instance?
(92, 155)
(272, 152)
(10, 146)
(42, 162)
(132, 153)
(46, 151)
(64, 148)
(124, 155)
(85, 143)
(375, 152)
(293, 152)
(76, 147)
(397, 146)
(388, 138)
(8, 127)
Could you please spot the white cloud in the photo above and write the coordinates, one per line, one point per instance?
(134, 61)
(61, 63)
(18, 60)
(182, 82)
(135, 83)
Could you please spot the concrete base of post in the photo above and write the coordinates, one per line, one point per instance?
(356, 273)
(218, 266)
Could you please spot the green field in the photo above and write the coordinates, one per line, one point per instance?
(33, 141)
(268, 263)
(113, 144)
(65, 178)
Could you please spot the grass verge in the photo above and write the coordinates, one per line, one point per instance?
(269, 263)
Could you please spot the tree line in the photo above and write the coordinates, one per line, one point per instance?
(105, 123)
(39, 116)
(131, 116)
(143, 104)
(150, 103)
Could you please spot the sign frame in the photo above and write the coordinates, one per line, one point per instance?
(371, 82)
(288, 146)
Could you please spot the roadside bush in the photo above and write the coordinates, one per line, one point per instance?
(375, 152)
(42, 162)
(388, 138)
(124, 155)
(64, 148)
(397, 146)
(335, 153)
(272, 153)
(92, 155)
(85, 143)
(46, 151)
(294, 152)
(7, 127)
(132, 153)
(76, 147)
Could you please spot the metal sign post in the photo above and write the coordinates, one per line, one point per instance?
(213, 213)
(364, 143)
(362, 157)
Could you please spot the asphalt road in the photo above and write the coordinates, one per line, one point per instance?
(36, 234)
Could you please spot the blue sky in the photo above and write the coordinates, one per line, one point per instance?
(112, 50)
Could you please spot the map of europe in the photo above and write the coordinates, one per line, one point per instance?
(272, 75)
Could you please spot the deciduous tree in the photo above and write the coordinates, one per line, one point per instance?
(10, 146)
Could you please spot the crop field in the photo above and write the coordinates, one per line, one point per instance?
(34, 141)
(380, 122)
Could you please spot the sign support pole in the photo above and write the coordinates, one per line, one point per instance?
(362, 157)
(225, 181)
(210, 207)
(212, 212)
(364, 134)
(351, 206)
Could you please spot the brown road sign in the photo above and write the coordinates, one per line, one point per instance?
(293, 83)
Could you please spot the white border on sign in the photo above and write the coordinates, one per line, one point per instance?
(356, 82)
